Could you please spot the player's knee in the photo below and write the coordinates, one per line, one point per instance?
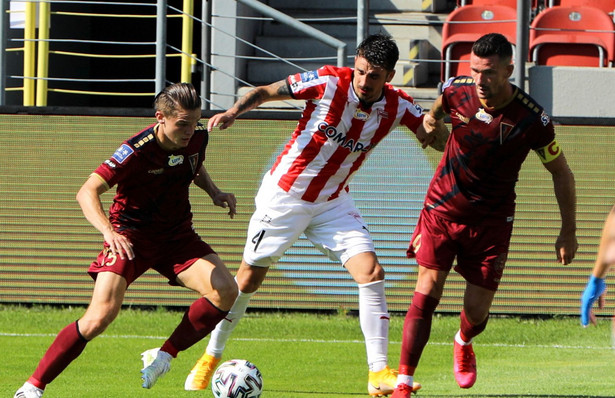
(365, 268)
(90, 327)
(477, 317)
(377, 273)
(250, 278)
(371, 274)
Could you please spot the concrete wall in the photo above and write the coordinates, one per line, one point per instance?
(225, 49)
(574, 92)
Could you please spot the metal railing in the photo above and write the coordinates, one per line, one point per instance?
(37, 46)
(36, 51)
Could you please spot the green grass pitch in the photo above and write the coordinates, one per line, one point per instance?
(315, 355)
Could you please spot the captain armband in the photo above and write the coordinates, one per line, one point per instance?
(549, 152)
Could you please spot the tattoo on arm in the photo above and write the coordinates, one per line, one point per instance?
(249, 101)
(262, 94)
(283, 88)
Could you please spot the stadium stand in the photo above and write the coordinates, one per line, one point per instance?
(607, 6)
(572, 36)
(507, 3)
(535, 4)
(466, 24)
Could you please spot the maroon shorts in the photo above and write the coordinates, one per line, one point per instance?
(481, 250)
(169, 258)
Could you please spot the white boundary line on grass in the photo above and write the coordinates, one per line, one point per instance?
(112, 336)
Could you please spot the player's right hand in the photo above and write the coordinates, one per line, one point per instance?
(593, 291)
(432, 132)
(119, 245)
(222, 120)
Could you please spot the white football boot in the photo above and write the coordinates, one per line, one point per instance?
(28, 391)
(155, 364)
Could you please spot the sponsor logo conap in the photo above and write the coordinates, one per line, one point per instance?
(342, 140)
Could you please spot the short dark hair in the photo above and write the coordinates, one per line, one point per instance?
(177, 96)
(493, 44)
(379, 50)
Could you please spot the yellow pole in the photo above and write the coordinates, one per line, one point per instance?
(187, 29)
(29, 54)
(42, 71)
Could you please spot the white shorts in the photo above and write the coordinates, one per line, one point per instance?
(334, 227)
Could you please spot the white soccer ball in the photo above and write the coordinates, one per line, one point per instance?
(237, 378)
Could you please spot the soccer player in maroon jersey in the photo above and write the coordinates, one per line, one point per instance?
(149, 226)
(347, 112)
(469, 206)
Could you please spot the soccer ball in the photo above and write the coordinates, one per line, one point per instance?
(237, 378)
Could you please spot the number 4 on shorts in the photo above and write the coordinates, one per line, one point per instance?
(258, 238)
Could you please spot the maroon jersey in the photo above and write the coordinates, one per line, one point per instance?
(151, 200)
(475, 180)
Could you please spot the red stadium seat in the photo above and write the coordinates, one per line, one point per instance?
(607, 6)
(464, 26)
(572, 36)
(507, 3)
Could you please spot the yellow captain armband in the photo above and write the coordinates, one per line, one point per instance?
(549, 152)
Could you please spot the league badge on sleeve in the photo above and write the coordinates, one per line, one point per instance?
(544, 118)
(308, 76)
(122, 153)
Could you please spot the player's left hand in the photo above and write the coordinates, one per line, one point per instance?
(432, 132)
(593, 291)
(566, 247)
(226, 200)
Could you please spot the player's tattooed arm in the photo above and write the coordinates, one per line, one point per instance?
(259, 95)
(255, 97)
(283, 89)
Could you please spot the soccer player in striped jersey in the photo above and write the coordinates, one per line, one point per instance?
(149, 226)
(347, 112)
(470, 203)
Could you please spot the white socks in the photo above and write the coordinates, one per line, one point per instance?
(374, 319)
(225, 327)
(460, 341)
(405, 379)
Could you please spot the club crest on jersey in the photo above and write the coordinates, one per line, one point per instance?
(385, 115)
(505, 130)
(193, 159)
(361, 115)
(175, 160)
(122, 153)
(483, 116)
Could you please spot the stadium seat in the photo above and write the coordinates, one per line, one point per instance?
(464, 26)
(572, 36)
(507, 3)
(607, 6)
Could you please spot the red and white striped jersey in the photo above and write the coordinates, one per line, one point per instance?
(336, 132)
